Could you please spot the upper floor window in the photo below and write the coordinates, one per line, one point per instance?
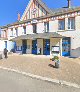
(34, 28)
(46, 26)
(16, 31)
(3, 34)
(61, 24)
(24, 29)
(11, 31)
(71, 23)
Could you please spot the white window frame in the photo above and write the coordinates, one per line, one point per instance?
(71, 23)
(61, 26)
(24, 29)
(16, 29)
(11, 32)
(46, 26)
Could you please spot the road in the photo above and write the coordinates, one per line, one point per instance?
(14, 82)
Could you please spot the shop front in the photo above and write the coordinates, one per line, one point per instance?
(41, 43)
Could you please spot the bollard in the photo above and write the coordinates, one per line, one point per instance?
(0, 56)
(57, 63)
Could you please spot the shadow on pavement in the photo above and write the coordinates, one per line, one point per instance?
(51, 66)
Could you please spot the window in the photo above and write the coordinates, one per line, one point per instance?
(71, 23)
(11, 31)
(5, 33)
(61, 24)
(16, 31)
(34, 28)
(18, 48)
(46, 26)
(24, 29)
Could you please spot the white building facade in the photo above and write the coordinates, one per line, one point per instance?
(41, 29)
(5, 43)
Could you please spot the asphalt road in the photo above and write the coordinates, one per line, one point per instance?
(14, 82)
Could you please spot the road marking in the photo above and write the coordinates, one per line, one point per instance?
(61, 82)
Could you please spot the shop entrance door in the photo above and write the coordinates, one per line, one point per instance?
(34, 46)
(66, 46)
(46, 46)
(6, 44)
(24, 46)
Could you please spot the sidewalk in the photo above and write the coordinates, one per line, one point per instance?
(39, 65)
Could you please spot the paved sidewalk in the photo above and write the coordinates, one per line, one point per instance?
(40, 65)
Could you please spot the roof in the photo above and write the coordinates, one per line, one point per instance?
(63, 10)
(45, 6)
(41, 3)
(52, 13)
(2, 38)
(38, 35)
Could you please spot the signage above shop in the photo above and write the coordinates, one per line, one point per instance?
(34, 21)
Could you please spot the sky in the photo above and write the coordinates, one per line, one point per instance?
(10, 8)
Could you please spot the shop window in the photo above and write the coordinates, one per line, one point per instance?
(18, 48)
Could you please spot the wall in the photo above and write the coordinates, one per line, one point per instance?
(53, 26)
(29, 29)
(77, 22)
(20, 31)
(19, 43)
(29, 47)
(75, 47)
(54, 42)
(40, 45)
(40, 27)
(2, 46)
(10, 45)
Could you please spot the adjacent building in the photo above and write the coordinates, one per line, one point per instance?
(41, 29)
(5, 43)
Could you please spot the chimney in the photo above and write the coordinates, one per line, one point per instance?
(69, 3)
(18, 16)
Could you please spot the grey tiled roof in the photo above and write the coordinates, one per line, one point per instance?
(58, 10)
(52, 12)
(45, 6)
(38, 35)
(62, 10)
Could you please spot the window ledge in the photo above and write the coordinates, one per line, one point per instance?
(70, 29)
(66, 30)
(61, 30)
(12, 36)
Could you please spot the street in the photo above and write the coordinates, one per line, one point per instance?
(14, 82)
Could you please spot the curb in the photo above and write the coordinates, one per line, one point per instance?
(61, 82)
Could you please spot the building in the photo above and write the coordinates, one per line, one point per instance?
(40, 29)
(5, 43)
